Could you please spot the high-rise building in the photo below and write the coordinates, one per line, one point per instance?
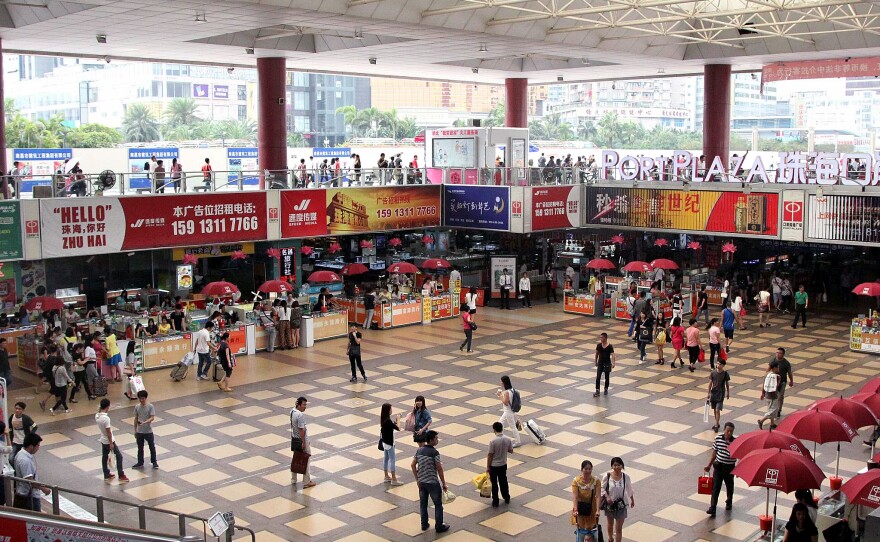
(313, 99)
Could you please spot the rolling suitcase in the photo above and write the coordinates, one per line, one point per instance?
(218, 373)
(99, 386)
(535, 431)
(179, 371)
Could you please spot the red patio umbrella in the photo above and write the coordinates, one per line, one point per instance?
(637, 266)
(402, 267)
(601, 263)
(219, 288)
(353, 269)
(324, 276)
(436, 263)
(863, 488)
(276, 286)
(867, 288)
(871, 386)
(856, 414)
(44, 303)
(763, 440)
(872, 401)
(819, 426)
(663, 263)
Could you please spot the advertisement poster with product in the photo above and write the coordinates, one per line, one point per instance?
(851, 219)
(556, 207)
(793, 212)
(10, 231)
(140, 163)
(460, 152)
(87, 226)
(697, 210)
(243, 159)
(184, 277)
(498, 265)
(38, 166)
(33, 279)
(481, 207)
(354, 210)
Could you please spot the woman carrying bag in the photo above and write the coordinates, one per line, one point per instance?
(419, 420)
(617, 490)
(468, 325)
(585, 493)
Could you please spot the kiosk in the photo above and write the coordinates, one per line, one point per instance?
(468, 155)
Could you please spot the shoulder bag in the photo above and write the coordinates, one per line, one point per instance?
(585, 508)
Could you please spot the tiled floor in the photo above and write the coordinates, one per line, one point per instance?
(231, 451)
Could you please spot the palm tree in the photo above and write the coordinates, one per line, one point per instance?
(296, 139)
(349, 114)
(181, 112)
(587, 130)
(496, 116)
(10, 109)
(609, 127)
(368, 121)
(140, 124)
(407, 128)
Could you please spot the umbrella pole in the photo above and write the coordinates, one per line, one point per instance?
(773, 521)
(767, 505)
(837, 464)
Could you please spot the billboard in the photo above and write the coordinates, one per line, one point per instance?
(86, 226)
(243, 159)
(10, 231)
(303, 213)
(793, 214)
(38, 166)
(138, 158)
(844, 218)
(556, 207)
(696, 210)
(481, 207)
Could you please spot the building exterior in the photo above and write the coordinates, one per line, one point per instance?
(313, 99)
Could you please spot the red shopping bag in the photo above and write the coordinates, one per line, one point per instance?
(722, 354)
(702, 356)
(704, 485)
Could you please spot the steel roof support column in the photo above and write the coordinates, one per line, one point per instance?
(516, 113)
(716, 113)
(3, 165)
(271, 116)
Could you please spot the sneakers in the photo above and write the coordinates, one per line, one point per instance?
(68, 411)
(867, 443)
(353, 379)
(155, 466)
(727, 349)
(123, 479)
(596, 394)
(109, 477)
(52, 411)
(138, 466)
(364, 377)
(395, 483)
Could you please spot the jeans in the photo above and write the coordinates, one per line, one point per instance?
(389, 464)
(368, 318)
(632, 325)
(151, 442)
(713, 350)
(435, 492)
(705, 313)
(270, 338)
(105, 455)
(527, 297)
(498, 476)
(721, 473)
(204, 364)
(468, 337)
(642, 346)
(606, 370)
(800, 310)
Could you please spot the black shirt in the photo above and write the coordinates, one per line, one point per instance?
(604, 354)
(702, 300)
(806, 535)
(388, 429)
(177, 318)
(4, 361)
(369, 302)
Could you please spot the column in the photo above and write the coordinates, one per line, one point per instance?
(516, 114)
(4, 167)
(271, 116)
(716, 113)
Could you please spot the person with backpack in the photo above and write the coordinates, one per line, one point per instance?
(511, 403)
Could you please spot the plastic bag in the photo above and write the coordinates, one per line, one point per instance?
(702, 356)
(706, 413)
(486, 488)
(448, 497)
(479, 479)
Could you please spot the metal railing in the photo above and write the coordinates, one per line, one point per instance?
(142, 509)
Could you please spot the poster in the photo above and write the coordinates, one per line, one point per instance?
(793, 207)
(243, 160)
(33, 279)
(696, 210)
(10, 231)
(184, 277)
(844, 218)
(483, 207)
(287, 262)
(221, 92)
(556, 207)
(303, 213)
(87, 226)
(499, 264)
(212, 251)
(138, 158)
(457, 152)
(518, 159)
(38, 166)
(354, 210)
(580, 305)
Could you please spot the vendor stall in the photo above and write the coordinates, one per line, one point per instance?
(28, 349)
(319, 327)
(864, 334)
(580, 302)
(400, 313)
(11, 334)
(441, 308)
(164, 351)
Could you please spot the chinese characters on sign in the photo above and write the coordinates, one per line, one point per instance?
(556, 207)
(819, 69)
(486, 207)
(844, 218)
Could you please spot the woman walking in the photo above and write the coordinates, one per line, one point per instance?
(617, 489)
(693, 343)
(283, 325)
(676, 335)
(739, 310)
(224, 353)
(468, 325)
(470, 300)
(387, 428)
(661, 337)
(585, 493)
(130, 371)
(420, 419)
(79, 372)
(60, 380)
(644, 332)
(508, 416)
(714, 341)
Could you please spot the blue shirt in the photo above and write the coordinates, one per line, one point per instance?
(728, 318)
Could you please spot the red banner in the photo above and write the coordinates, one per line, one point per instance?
(556, 207)
(821, 69)
(87, 226)
(303, 213)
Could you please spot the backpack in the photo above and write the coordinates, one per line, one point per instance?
(146, 167)
(515, 401)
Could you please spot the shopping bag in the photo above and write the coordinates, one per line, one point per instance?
(479, 479)
(704, 485)
(448, 497)
(722, 354)
(706, 413)
(409, 424)
(486, 489)
(702, 356)
(300, 462)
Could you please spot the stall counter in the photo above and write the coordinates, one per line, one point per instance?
(864, 337)
(400, 313)
(327, 326)
(165, 351)
(580, 303)
(28, 351)
(12, 334)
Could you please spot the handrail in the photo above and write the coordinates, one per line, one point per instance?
(182, 518)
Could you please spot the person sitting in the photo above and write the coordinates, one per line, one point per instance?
(152, 328)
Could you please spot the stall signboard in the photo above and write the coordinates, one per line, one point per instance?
(426, 309)
(37, 166)
(406, 313)
(243, 159)
(864, 341)
(10, 231)
(556, 207)
(287, 263)
(697, 210)
(166, 351)
(237, 340)
(851, 219)
(478, 207)
(138, 158)
(212, 251)
(303, 213)
(356, 210)
(793, 213)
(441, 307)
(580, 305)
(88, 226)
(621, 309)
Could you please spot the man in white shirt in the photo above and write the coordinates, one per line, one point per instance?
(300, 440)
(525, 290)
(108, 443)
(504, 284)
(203, 348)
(659, 273)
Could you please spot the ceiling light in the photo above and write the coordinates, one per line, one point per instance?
(373, 60)
(101, 38)
(484, 48)
(475, 70)
(249, 50)
(358, 35)
(585, 61)
(201, 18)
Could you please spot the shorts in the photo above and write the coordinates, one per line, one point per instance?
(226, 368)
(472, 311)
(717, 405)
(728, 333)
(115, 360)
(616, 514)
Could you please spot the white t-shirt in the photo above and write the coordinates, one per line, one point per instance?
(724, 288)
(90, 354)
(658, 274)
(203, 337)
(102, 419)
(736, 304)
(776, 284)
(764, 296)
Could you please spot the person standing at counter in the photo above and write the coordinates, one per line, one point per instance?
(296, 314)
(283, 314)
(504, 284)
(552, 284)
(267, 319)
(454, 277)
(177, 318)
(369, 307)
(525, 290)
(165, 326)
(70, 317)
(354, 352)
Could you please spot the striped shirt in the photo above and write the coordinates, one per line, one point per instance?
(722, 455)
(427, 459)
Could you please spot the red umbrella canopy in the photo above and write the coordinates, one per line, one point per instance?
(782, 470)
(44, 303)
(855, 413)
(871, 386)
(402, 267)
(637, 266)
(867, 288)
(663, 263)
(436, 263)
(763, 440)
(863, 488)
(869, 399)
(219, 288)
(277, 286)
(601, 263)
(324, 276)
(819, 426)
(353, 269)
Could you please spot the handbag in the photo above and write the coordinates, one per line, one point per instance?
(472, 325)
(704, 485)
(381, 447)
(300, 462)
(296, 444)
(701, 357)
(722, 354)
(409, 424)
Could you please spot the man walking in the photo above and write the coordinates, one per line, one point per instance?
(504, 283)
(801, 301)
(144, 416)
(300, 440)
(605, 360)
(354, 352)
(703, 304)
(27, 495)
(525, 290)
(427, 468)
(496, 463)
(786, 375)
(722, 465)
(108, 444)
(728, 323)
(203, 349)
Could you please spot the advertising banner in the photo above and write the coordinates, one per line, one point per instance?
(221, 92)
(793, 211)
(244, 159)
(10, 231)
(481, 207)
(556, 207)
(441, 307)
(138, 158)
(580, 305)
(303, 213)
(87, 226)
(498, 265)
(844, 218)
(38, 166)
(697, 210)
(287, 262)
(354, 210)
(331, 152)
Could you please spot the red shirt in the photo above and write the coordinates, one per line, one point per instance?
(466, 320)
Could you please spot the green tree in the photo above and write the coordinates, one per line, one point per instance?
(587, 131)
(10, 109)
(236, 129)
(181, 112)
(496, 116)
(93, 136)
(368, 122)
(296, 139)
(608, 129)
(349, 114)
(140, 124)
